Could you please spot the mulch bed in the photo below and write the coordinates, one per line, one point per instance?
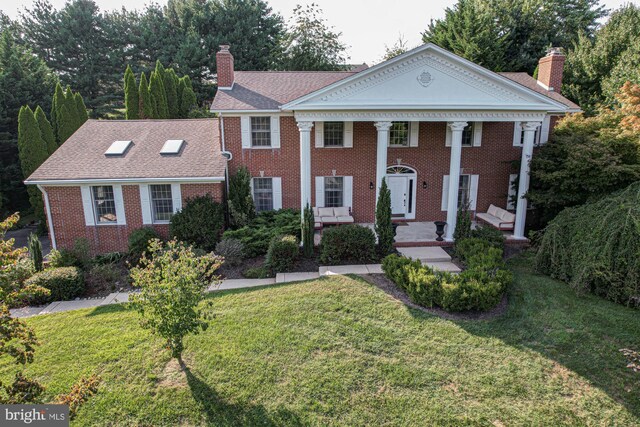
(302, 265)
(391, 289)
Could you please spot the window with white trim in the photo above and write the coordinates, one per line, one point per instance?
(261, 131)
(263, 194)
(334, 134)
(467, 135)
(535, 137)
(161, 202)
(104, 204)
(333, 191)
(399, 134)
(464, 190)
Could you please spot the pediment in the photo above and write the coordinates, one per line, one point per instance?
(427, 78)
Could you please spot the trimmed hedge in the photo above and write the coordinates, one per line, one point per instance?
(282, 254)
(347, 243)
(199, 223)
(64, 283)
(479, 287)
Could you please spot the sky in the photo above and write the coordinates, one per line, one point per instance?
(367, 26)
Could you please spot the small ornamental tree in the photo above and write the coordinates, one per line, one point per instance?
(241, 207)
(131, 101)
(308, 231)
(463, 223)
(145, 109)
(173, 281)
(383, 226)
(35, 251)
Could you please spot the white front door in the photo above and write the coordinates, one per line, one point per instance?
(398, 188)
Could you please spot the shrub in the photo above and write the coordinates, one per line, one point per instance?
(257, 236)
(78, 256)
(595, 247)
(257, 273)
(109, 258)
(489, 234)
(103, 277)
(63, 283)
(463, 223)
(231, 250)
(383, 226)
(79, 394)
(347, 243)
(172, 282)
(466, 247)
(241, 207)
(35, 251)
(139, 240)
(282, 254)
(200, 223)
(308, 231)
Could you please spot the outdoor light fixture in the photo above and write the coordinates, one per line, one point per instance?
(370, 185)
(424, 184)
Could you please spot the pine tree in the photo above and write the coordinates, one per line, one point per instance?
(46, 131)
(383, 226)
(146, 104)
(158, 96)
(32, 151)
(172, 93)
(81, 108)
(131, 100)
(188, 99)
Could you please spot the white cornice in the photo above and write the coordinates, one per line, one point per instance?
(186, 180)
(424, 116)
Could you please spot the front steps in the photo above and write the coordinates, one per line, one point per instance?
(432, 256)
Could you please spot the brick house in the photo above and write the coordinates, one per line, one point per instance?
(440, 129)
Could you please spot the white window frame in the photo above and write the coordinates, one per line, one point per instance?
(146, 202)
(246, 134)
(88, 205)
(476, 136)
(347, 135)
(347, 191)
(95, 206)
(473, 192)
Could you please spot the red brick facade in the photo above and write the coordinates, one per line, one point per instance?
(491, 161)
(69, 223)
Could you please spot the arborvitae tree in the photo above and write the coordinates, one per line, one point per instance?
(179, 91)
(46, 131)
(56, 105)
(32, 151)
(383, 226)
(308, 231)
(81, 108)
(35, 251)
(241, 207)
(172, 93)
(188, 99)
(131, 99)
(145, 108)
(158, 96)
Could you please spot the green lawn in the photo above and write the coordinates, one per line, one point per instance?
(339, 351)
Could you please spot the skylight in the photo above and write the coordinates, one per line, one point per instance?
(172, 146)
(117, 148)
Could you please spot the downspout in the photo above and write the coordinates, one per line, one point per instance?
(52, 234)
(224, 148)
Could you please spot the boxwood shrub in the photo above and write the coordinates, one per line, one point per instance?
(347, 243)
(282, 254)
(199, 223)
(64, 283)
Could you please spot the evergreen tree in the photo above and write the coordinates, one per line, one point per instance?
(68, 114)
(188, 99)
(131, 100)
(308, 231)
(145, 109)
(45, 130)
(172, 93)
(158, 96)
(383, 226)
(32, 151)
(81, 108)
(56, 105)
(180, 90)
(240, 203)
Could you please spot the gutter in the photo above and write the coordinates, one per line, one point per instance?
(123, 180)
(47, 206)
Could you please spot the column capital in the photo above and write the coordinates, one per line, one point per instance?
(457, 126)
(305, 126)
(530, 126)
(382, 125)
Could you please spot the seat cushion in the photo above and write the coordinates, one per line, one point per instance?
(329, 219)
(317, 219)
(315, 212)
(345, 219)
(493, 220)
(325, 212)
(508, 217)
(493, 210)
(341, 211)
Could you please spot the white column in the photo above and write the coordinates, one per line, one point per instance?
(381, 158)
(523, 184)
(454, 177)
(305, 163)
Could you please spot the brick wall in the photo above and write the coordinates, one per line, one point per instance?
(492, 161)
(68, 216)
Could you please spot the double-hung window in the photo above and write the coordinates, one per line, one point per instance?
(334, 134)
(464, 190)
(333, 191)
(161, 202)
(263, 194)
(104, 204)
(467, 136)
(399, 134)
(261, 131)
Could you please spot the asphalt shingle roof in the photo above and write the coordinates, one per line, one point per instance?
(82, 155)
(529, 82)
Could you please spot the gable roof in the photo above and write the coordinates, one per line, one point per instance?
(82, 157)
(526, 80)
(268, 90)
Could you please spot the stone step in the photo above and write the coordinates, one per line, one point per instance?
(426, 254)
(444, 266)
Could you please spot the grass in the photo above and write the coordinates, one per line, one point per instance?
(338, 351)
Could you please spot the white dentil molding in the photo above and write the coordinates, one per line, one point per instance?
(425, 116)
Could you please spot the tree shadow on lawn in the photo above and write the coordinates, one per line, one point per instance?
(581, 332)
(221, 413)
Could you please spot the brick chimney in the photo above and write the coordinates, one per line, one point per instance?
(224, 66)
(550, 69)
